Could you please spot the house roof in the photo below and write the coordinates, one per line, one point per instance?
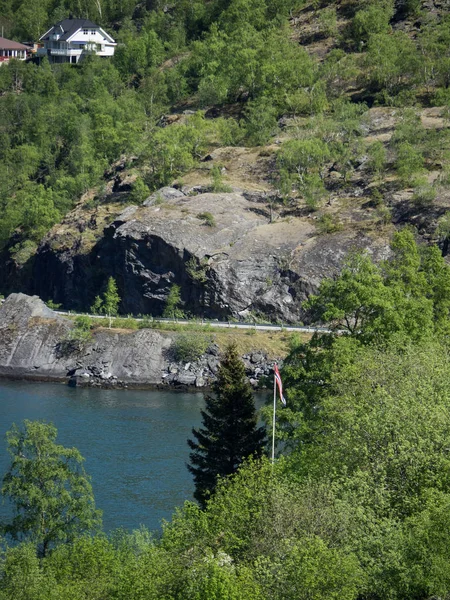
(69, 27)
(10, 45)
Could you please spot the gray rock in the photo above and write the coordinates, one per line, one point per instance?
(165, 193)
(185, 379)
(199, 382)
(30, 346)
(242, 265)
(213, 349)
(257, 357)
(213, 364)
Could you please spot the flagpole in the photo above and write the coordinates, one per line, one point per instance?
(274, 412)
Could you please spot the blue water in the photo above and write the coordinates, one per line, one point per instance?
(133, 442)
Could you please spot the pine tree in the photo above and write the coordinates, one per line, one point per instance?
(229, 434)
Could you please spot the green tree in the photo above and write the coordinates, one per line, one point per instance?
(409, 163)
(372, 20)
(377, 158)
(374, 302)
(229, 434)
(109, 303)
(172, 309)
(357, 300)
(50, 491)
(140, 191)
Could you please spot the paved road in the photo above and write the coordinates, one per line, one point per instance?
(222, 324)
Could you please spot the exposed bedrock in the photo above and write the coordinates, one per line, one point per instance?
(221, 249)
(37, 343)
(33, 344)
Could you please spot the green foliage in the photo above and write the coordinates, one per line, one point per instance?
(173, 150)
(140, 191)
(77, 337)
(409, 163)
(392, 64)
(372, 20)
(376, 158)
(229, 433)
(260, 121)
(190, 346)
(50, 491)
(303, 156)
(53, 305)
(172, 309)
(328, 224)
(69, 124)
(217, 187)
(197, 270)
(207, 218)
(328, 21)
(424, 195)
(310, 570)
(108, 304)
(125, 323)
(377, 301)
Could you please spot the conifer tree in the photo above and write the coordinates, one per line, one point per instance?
(229, 434)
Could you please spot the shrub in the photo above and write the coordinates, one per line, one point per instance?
(371, 20)
(172, 309)
(207, 218)
(189, 346)
(140, 191)
(53, 305)
(328, 21)
(328, 224)
(409, 162)
(217, 182)
(83, 323)
(377, 158)
(125, 323)
(260, 121)
(424, 195)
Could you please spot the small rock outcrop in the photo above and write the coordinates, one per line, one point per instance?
(31, 346)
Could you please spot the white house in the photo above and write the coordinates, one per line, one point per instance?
(71, 40)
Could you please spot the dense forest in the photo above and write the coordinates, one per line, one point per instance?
(357, 503)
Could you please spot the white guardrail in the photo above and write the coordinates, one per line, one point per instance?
(205, 322)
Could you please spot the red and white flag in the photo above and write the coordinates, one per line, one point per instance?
(279, 383)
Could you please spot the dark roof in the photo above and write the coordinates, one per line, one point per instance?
(10, 45)
(69, 27)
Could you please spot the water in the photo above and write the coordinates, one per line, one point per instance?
(134, 443)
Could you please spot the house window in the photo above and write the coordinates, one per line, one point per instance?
(85, 31)
(93, 31)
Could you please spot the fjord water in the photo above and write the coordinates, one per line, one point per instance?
(133, 442)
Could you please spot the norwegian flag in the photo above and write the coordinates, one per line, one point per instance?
(279, 383)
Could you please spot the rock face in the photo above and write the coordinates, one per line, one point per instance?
(31, 346)
(233, 262)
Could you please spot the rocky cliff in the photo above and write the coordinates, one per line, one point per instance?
(233, 263)
(36, 343)
(32, 346)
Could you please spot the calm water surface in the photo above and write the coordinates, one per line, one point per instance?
(134, 443)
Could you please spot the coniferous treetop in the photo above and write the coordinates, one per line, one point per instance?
(229, 431)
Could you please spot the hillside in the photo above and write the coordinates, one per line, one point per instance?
(237, 150)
